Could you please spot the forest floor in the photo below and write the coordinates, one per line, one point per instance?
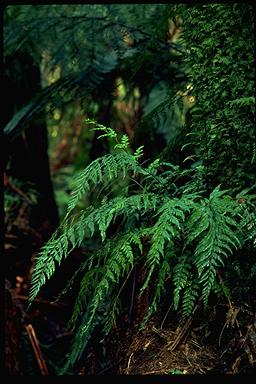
(154, 353)
(198, 345)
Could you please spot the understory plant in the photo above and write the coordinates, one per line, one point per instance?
(154, 214)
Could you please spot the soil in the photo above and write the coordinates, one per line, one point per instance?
(151, 354)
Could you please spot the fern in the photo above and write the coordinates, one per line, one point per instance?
(181, 277)
(112, 310)
(190, 296)
(221, 290)
(167, 227)
(244, 101)
(77, 227)
(52, 252)
(67, 86)
(120, 260)
(177, 232)
(217, 238)
(102, 169)
(163, 274)
(247, 211)
(110, 271)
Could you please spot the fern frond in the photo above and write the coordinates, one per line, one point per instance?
(244, 101)
(101, 170)
(123, 144)
(69, 85)
(217, 239)
(87, 285)
(163, 274)
(139, 152)
(111, 313)
(76, 228)
(181, 276)
(221, 290)
(248, 222)
(125, 206)
(190, 296)
(118, 260)
(107, 212)
(52, 252)
(73, 278)
(167, 228)
(109, 132)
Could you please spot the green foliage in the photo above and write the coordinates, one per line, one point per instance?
(219, 59)
(119, 259)
(166, 215)
(175, 371)
(96, 44)
(60, 92)
(62, 182)
(214, 227)
(179, 232)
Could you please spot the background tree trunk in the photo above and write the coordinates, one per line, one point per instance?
(25, 160)
(26, 157)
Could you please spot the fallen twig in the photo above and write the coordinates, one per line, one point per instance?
(128, 365)
(184, 330)
(7, 182)
(37, 350)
